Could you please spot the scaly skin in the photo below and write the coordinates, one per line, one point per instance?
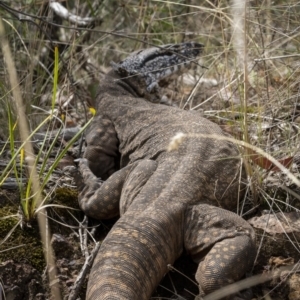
(147, 69)
(167, 201)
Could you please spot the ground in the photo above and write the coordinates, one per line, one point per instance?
(247, 81)
(23, 272)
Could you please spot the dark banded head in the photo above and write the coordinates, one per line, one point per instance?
(158, 63)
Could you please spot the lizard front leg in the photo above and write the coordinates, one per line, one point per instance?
(101, 199)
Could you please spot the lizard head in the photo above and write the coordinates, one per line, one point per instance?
(145, 69)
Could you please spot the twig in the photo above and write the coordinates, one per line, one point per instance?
(83, 237)
(276, 57)
(81, 276)
(171, 268)
(62, 12)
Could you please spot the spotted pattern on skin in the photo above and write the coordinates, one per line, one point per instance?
(211, 266)
(168, 202)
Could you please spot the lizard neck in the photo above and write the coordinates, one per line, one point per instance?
(111, 89)
(114, 84)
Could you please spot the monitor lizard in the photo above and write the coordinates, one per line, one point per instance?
(168, 201)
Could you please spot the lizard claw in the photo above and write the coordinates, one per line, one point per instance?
(81, 161)
(78, 160)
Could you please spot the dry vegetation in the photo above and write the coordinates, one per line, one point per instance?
(248, 82)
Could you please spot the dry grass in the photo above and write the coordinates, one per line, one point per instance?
(250, 86)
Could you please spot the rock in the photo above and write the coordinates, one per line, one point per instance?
(294, 283)
(277, 236)
(61, 246)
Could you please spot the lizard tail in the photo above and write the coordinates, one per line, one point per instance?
(131, 262)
